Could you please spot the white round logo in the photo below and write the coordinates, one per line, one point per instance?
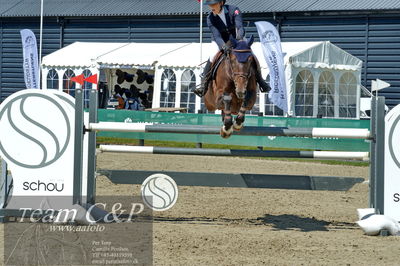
(35, 129)
(159, 192)
(394, 147)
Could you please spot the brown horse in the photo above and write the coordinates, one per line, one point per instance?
(234, 89)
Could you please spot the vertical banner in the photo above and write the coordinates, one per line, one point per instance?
(37, 142)
(271, 45)
(31, 63)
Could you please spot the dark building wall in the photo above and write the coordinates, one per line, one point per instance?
(375, 39)
(11, 72)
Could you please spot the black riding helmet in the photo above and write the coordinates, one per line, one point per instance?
(211, 2)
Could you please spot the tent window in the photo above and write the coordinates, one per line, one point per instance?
(68, 85)
(304, 97)
(347, 95)
(256, 108)
(270, 108)
(326, 95)
(168, 88)
(87, 86)
(52, 80)
(188, 98)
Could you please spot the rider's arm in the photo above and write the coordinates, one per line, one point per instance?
(215, 33)
(237, 15)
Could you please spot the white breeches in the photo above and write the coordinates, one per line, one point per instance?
(213, 51)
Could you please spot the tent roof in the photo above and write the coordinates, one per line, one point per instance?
(118, 55)
(139, 54)
(79, 54)
(191, 53)
(325, 55)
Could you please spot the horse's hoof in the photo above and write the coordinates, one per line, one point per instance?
(225, 133)
(237, 127)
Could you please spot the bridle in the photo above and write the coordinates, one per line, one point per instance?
(240, 74)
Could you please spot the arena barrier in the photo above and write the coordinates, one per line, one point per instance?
(383, 155)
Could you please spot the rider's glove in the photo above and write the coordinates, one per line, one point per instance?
(226, 48)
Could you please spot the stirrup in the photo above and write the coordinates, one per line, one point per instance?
(199, 91)
(264, 86)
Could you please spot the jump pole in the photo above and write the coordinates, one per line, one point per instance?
(349, 133)
(364, 156)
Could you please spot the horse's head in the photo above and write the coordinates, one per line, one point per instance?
(241, 61)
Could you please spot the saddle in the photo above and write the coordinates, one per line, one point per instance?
(214, 66)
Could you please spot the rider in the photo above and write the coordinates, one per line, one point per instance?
(223, 21)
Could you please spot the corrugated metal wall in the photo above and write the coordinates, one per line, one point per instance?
(383, 60)
(11, 73)
(375, 39)
(96, 30)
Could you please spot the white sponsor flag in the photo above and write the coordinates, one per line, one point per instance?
(31, 64)
(271, 45)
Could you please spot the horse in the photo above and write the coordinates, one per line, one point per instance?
(234, 88)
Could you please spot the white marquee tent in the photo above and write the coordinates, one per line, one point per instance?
(322, 79)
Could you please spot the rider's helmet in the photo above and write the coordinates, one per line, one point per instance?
(211, 2)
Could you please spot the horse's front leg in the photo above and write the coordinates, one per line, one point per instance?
(226, 130)
(239, 120)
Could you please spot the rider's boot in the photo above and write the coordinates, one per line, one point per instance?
(205, 78)
(263, 85)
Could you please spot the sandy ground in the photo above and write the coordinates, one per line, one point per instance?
(242, 226)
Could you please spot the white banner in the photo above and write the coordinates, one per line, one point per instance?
(271, 45)
(31, 63)
(37, 142)
(392, 164)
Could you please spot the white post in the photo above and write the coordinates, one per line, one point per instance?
(44, 78)
(157, 86)
(178, 88)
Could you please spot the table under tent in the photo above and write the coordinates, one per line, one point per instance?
(322, 79)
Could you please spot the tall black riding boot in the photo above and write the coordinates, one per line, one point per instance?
(263, 85)
(205, 78)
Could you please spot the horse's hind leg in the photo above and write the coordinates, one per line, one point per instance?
(226, 130)
(239, 120)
